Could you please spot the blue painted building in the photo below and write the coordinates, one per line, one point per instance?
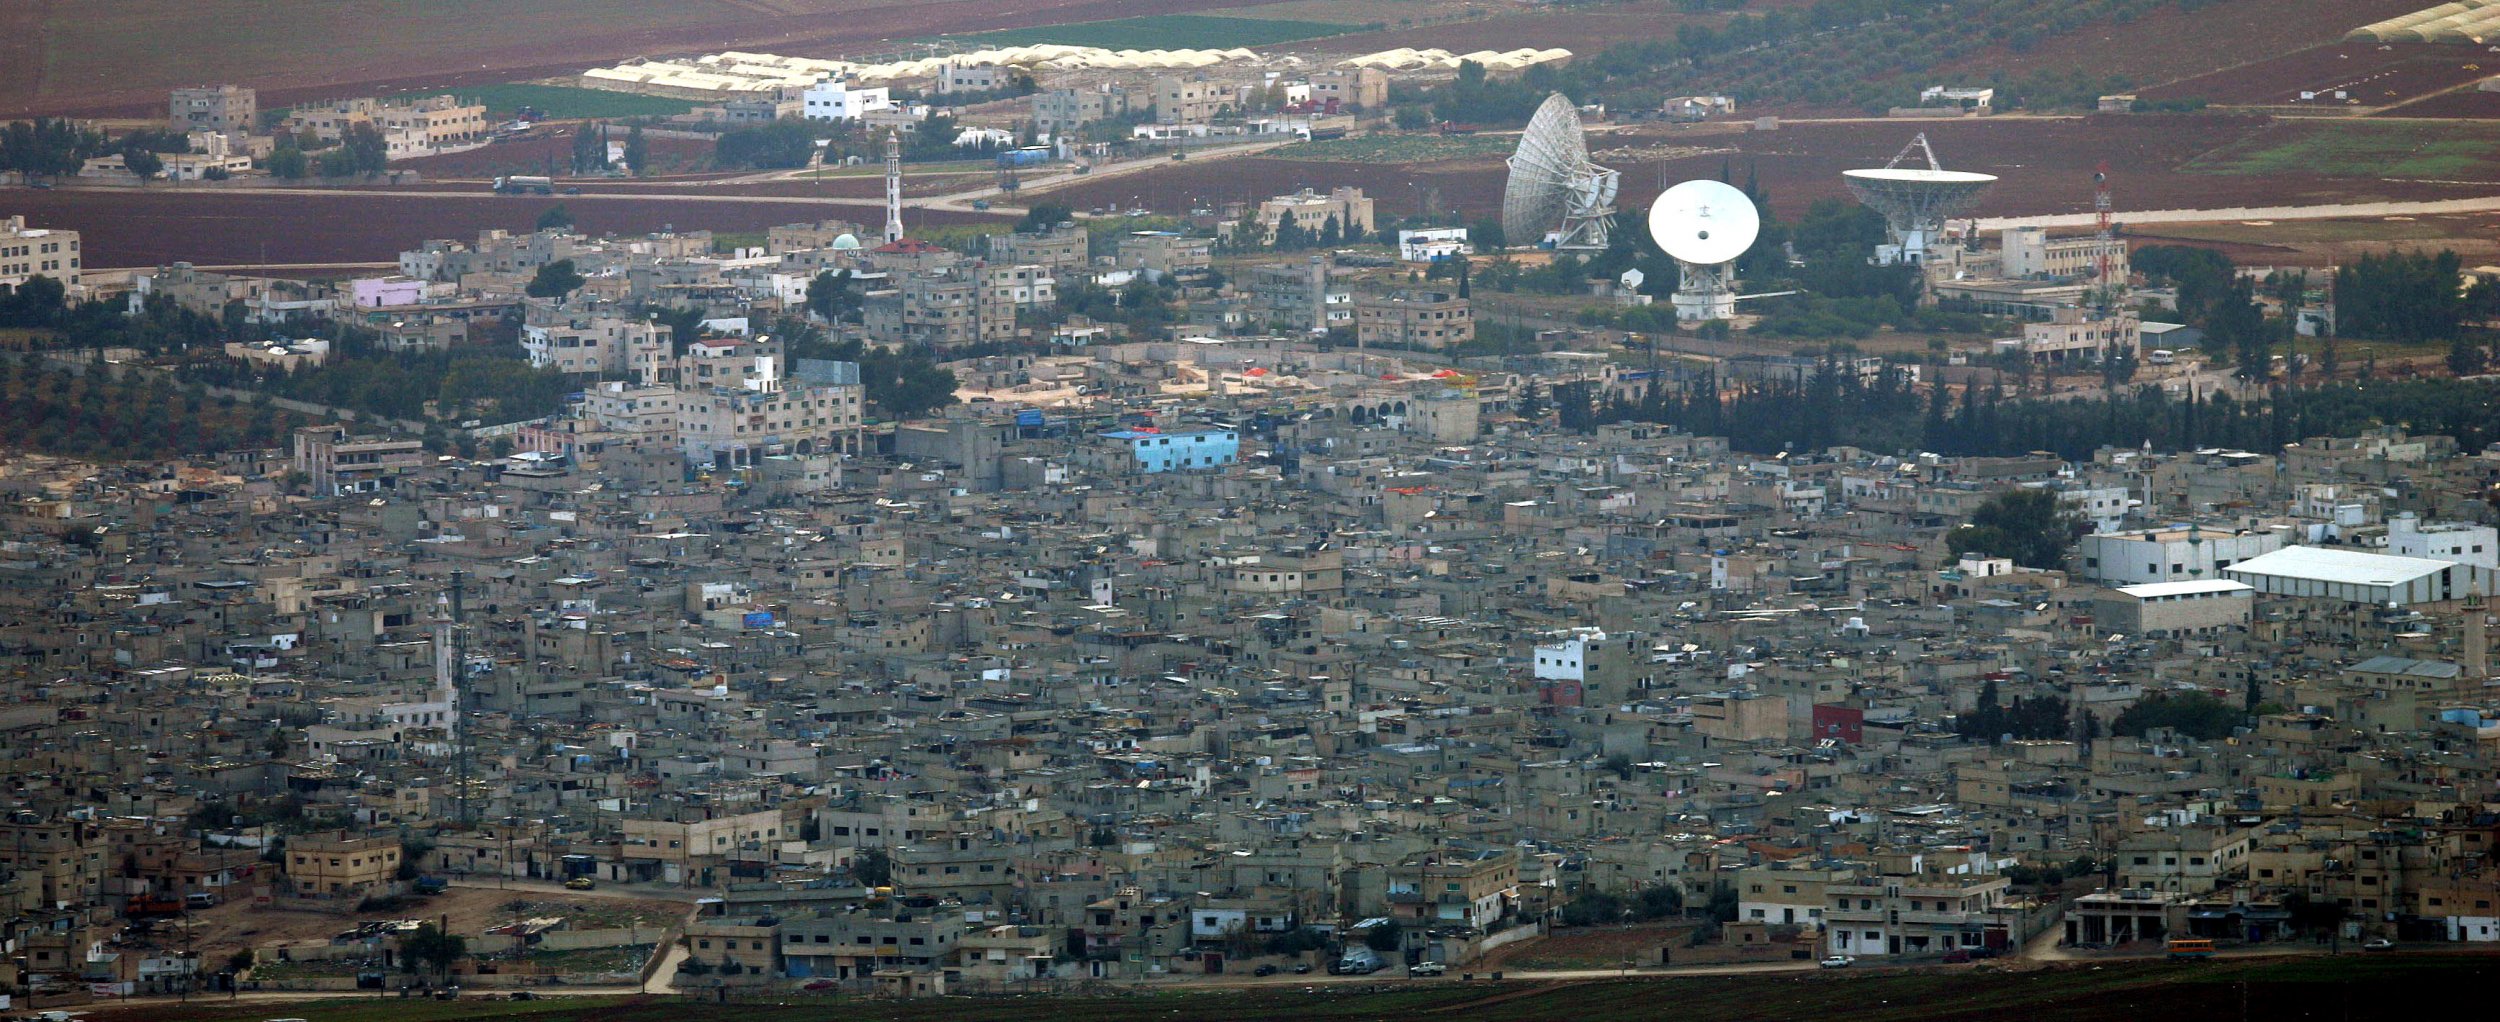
(1179, 449)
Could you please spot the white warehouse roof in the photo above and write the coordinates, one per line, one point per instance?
(2199, 587)
(2350, 567)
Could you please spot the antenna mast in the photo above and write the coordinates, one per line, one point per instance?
(464, 748)
(2101, 284)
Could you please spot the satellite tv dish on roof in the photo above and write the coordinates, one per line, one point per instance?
(1633, 278)
(1705, 225)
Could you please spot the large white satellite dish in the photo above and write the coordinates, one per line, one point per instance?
(1554, 193)
(1705, 225)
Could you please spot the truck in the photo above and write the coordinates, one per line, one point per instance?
(432, 885)
(1357, 961)
(525, 184)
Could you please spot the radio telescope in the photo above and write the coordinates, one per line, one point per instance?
(1705, 225)
(1915, 201)
(1555, 194)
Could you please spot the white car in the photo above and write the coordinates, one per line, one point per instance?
(1426, 969)
(2381, 944)
(1838, 962)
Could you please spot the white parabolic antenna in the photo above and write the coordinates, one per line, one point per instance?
(1705, 225)
(1554, 193)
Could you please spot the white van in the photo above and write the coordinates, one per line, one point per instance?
(2162, 357)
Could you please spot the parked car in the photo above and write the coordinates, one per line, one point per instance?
(1956, 956)
(1838, 962)
(2381, 944)
(580, 884)
(1426, 969)
(1302, 969)
(1265, 970)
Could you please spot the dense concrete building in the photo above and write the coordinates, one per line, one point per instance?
(226, 109)
(30, 252)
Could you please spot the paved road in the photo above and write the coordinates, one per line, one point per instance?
(635, 892)
(2488, 204)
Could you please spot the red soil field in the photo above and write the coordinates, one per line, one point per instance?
(2044, 166)
(125, 228)
(2466, 103)
(2373, 75)
(318, 72)
(2171, 44)
(533, 154)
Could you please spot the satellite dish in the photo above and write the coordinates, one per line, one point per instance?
(1706, 222)
(1554, 191)
(1632, 279)
(1705, 225)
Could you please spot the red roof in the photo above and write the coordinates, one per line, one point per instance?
(906, 246)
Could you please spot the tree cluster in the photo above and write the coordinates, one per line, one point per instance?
(49, 147)
(2400, 296)
(2025, 525)
(2194, 714)
(1596, 907)
(2027, 719)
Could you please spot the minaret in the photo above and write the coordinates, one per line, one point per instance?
(2477, 646)
(893, 186)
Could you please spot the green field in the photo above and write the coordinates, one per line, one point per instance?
(1398, 149)
(2356, 148)
(1164, 32)
(2352, 986)
(562, 102)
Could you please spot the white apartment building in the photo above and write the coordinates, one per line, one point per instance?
(30, 252)
(597, 344)
(835, 100)
(2169, 554)
(2456, 542)
(738, 402)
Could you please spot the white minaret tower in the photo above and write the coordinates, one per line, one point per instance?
(893, 186)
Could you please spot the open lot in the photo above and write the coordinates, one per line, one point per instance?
(2360, 148)
(2370, 75)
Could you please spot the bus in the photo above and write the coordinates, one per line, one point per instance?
(2187, 950)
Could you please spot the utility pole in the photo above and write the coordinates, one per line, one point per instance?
(2103, 289)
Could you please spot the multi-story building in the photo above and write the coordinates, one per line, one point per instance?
(1299, 297)
(334, 462)
(434, 122)
(1782, 894)
(30, 252)
(2073, 336)
(2170, 554)
(1912, 914)
(2029, 252)
(2460, 542)
(738, 402)
(1063, 246)
(340, 863)
(1166, 253)
(836, 100)
(1312, 212)
(1191, 99)
(571, 341)
(225, 109)
(1360, 88)
(855, 945)
(2190, 859)
(1058, 111)
(632, 411)
(1454, 888)
(1152, 451)
(1415, 319)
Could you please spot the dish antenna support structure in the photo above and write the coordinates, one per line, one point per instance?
(1705, 225)
(1555, 194)
(1915, 201)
